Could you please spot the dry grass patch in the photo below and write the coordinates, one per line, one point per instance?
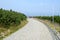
(6, 32)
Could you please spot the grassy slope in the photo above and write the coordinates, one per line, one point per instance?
(53, 26)
(6, 32)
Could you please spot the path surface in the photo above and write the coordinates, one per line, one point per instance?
(34, 30)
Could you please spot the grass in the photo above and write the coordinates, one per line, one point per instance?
(51, 25)
(6, 32)
(58, 29)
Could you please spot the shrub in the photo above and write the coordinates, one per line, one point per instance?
(9, 17)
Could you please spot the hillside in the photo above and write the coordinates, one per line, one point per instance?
(10, 21)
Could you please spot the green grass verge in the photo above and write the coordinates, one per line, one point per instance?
(6, 32)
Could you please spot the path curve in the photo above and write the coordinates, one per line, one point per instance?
(34, 30)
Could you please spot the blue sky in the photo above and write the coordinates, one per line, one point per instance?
(33, 7)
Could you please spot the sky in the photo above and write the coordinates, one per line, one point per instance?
(33, 7)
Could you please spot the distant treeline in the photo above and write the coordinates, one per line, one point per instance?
(56, 18)
(9, 17)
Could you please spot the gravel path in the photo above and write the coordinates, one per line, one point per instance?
(34, 30)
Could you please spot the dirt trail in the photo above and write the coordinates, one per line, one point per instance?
(34, 30)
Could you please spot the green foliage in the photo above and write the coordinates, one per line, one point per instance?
(56, 18)
(9, 17)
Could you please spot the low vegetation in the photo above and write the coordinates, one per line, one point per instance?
(49, 21)
(56, 18)
(10, 21)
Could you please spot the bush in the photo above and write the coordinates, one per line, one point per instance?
(9, 17)
(56, 18)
